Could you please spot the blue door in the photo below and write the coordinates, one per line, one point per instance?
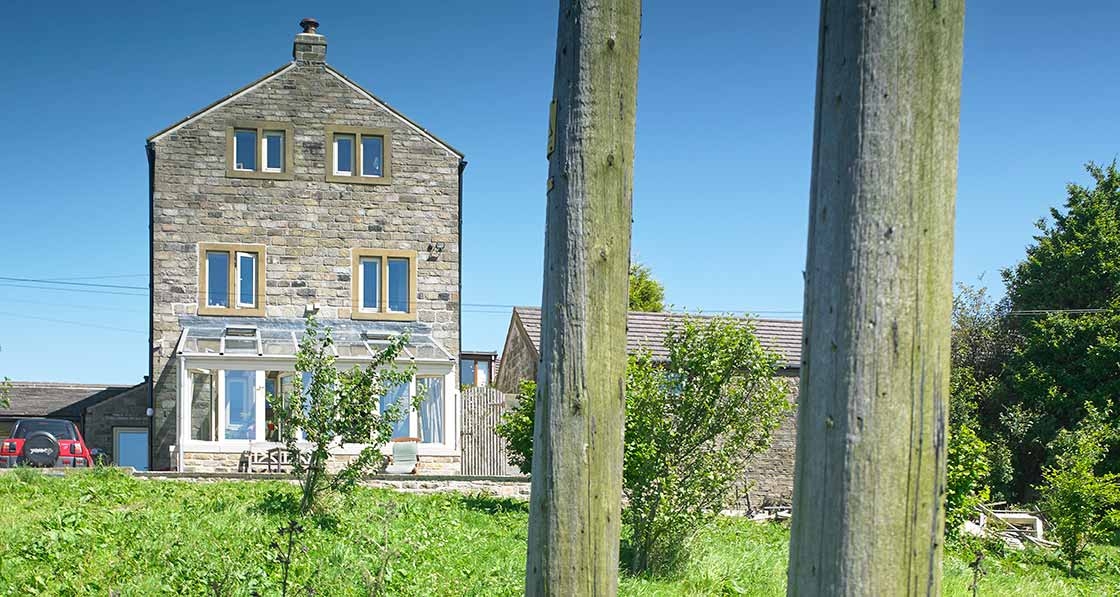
(130, 447)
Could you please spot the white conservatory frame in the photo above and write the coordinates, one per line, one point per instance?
(441, 366)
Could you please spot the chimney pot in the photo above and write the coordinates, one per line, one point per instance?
(310, 47)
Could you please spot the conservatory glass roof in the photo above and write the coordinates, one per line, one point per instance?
(218, 339)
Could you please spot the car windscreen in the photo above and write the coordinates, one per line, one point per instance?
(59, 429)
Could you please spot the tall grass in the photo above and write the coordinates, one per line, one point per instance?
(101, 531)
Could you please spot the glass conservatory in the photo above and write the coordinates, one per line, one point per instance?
(229, 373)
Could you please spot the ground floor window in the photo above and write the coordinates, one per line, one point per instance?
(399, 396)
(429, 391)
(241, 405)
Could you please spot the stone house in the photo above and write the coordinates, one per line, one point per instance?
(771, 472)
(299, 193)
(111, 418)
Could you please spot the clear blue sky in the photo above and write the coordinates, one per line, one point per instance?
(725, 111)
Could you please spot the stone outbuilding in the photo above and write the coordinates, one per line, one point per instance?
(771, 472)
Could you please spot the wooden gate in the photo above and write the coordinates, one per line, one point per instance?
(484, 453)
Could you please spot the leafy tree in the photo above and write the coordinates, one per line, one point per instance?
(646, 293)
(1076, 500)
(1065, 297)
(516, 427)
(692, 424)
(337, 407)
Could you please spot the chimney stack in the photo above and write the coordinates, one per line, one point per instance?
(310, 47)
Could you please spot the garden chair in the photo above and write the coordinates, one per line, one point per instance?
(405, 458)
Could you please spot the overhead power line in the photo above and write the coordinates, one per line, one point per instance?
(67, 283)
(70, 289)
(85, 324)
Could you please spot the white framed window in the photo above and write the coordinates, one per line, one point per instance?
(234, 407)
(246, 279)
(203, 405)
(343, 154)
(430, 408)
(239, 402)
(272, 148)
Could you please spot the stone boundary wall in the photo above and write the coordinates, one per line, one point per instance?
(511, 487)
(196, 462)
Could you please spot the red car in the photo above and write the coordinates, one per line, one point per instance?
(44, 443)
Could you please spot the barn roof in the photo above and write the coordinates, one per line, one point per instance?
(646, 331)
(58, 400)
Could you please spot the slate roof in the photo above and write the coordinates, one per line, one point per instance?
(646, 331)
(58, 400)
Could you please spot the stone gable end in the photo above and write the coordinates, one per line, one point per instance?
(308, 225)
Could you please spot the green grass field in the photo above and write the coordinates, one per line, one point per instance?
(101, 531)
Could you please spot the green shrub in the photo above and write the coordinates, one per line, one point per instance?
(691, 425)
(1078, 502)
(516, 427)
(967, 470)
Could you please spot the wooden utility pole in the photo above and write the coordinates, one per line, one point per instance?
(868, 510)
(577, 448)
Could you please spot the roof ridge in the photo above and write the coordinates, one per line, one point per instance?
(67, 384)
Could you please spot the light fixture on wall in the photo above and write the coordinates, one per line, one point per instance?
(435, 249)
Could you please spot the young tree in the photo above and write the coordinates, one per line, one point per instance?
(337, 407)
(646, 293)
(692, 424)
(870, 470)
(575, 506)
(1076, 500)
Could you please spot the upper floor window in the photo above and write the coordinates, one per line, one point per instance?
(231, 279)
(358, 155)
(383, 285)
(259, 150)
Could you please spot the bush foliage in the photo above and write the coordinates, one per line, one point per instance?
(692, 423)
(967, 470)
(1078, 502)
(516, 427)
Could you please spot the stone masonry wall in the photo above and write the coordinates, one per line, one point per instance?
(227, 462)
(518, 360)
(308, 225)
(771, 472)
(127, 409)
